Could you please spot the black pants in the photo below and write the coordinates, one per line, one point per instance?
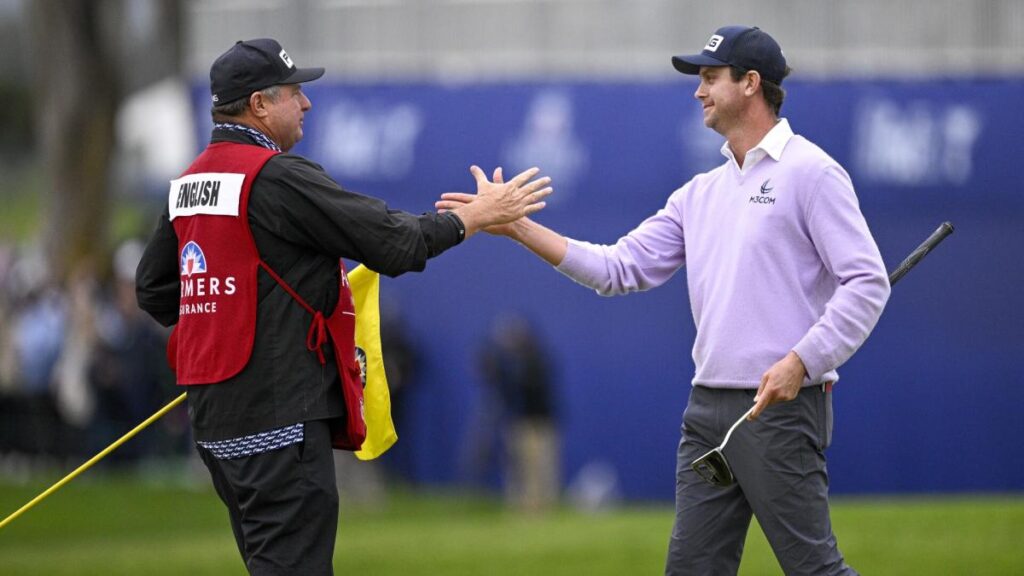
(283, 505)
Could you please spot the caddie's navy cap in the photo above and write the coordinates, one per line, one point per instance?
(743, 46)
(252, 65)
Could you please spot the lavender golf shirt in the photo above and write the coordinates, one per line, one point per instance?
(778, 258)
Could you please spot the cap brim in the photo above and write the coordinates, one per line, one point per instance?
(303, 75)
(691, 64)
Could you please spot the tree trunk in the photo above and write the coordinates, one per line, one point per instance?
(76, 92)
(86, 55)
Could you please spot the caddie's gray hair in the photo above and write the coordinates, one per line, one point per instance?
(235, 108)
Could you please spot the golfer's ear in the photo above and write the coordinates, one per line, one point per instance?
(753, 78)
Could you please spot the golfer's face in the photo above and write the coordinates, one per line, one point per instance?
(720, 97)
(286, 114)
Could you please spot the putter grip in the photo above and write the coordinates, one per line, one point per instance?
(944, 229)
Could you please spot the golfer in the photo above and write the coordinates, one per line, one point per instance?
(245, 261)
(785, 283)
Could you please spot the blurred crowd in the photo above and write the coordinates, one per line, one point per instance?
(80, 365)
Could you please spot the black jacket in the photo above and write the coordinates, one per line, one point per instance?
(302, 222)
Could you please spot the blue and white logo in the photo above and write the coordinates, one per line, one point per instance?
(193, 261)
(361, 357)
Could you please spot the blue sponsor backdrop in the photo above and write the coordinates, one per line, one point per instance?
(932, 402)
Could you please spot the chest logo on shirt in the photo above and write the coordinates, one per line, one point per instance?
(765, 196)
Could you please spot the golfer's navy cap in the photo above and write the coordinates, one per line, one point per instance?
(742, 46)
(252, 65)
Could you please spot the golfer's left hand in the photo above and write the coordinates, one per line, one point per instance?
(780, 383)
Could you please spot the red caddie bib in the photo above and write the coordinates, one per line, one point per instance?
(208, 207)
(218, 262)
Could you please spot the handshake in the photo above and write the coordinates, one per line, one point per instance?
(497, 204)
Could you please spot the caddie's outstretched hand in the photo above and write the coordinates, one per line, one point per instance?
(498, 202)
(453, 200)
(521, 196)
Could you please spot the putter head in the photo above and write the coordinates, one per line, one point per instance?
(713, 468)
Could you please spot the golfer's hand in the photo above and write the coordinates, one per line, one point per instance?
(498, 203)
(454, 200)
(780, 383)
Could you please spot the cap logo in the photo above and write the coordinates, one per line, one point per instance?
(713, 43)
(287, 59)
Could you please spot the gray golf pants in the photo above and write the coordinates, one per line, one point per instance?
(779, 464)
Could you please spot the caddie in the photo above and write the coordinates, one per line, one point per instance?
(246, 262)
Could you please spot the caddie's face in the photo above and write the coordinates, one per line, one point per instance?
(285, 115)
(721, 97)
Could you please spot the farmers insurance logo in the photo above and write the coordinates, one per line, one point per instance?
(765, 196)
(193, 261)
(198, 289)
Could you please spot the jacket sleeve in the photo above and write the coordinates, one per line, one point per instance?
(298, 202)
(157, 280)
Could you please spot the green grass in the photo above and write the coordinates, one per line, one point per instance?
(107, 526)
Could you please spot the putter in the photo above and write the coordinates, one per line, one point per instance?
(713, 467)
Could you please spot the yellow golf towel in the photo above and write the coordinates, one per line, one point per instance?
(380, 429)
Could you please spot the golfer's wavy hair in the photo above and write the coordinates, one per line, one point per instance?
(774, 93)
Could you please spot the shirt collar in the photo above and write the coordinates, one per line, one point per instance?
(772, 145)
(258, 137)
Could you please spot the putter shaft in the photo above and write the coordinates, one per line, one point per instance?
(734, 426)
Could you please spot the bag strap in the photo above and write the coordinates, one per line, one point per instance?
(316, 337)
